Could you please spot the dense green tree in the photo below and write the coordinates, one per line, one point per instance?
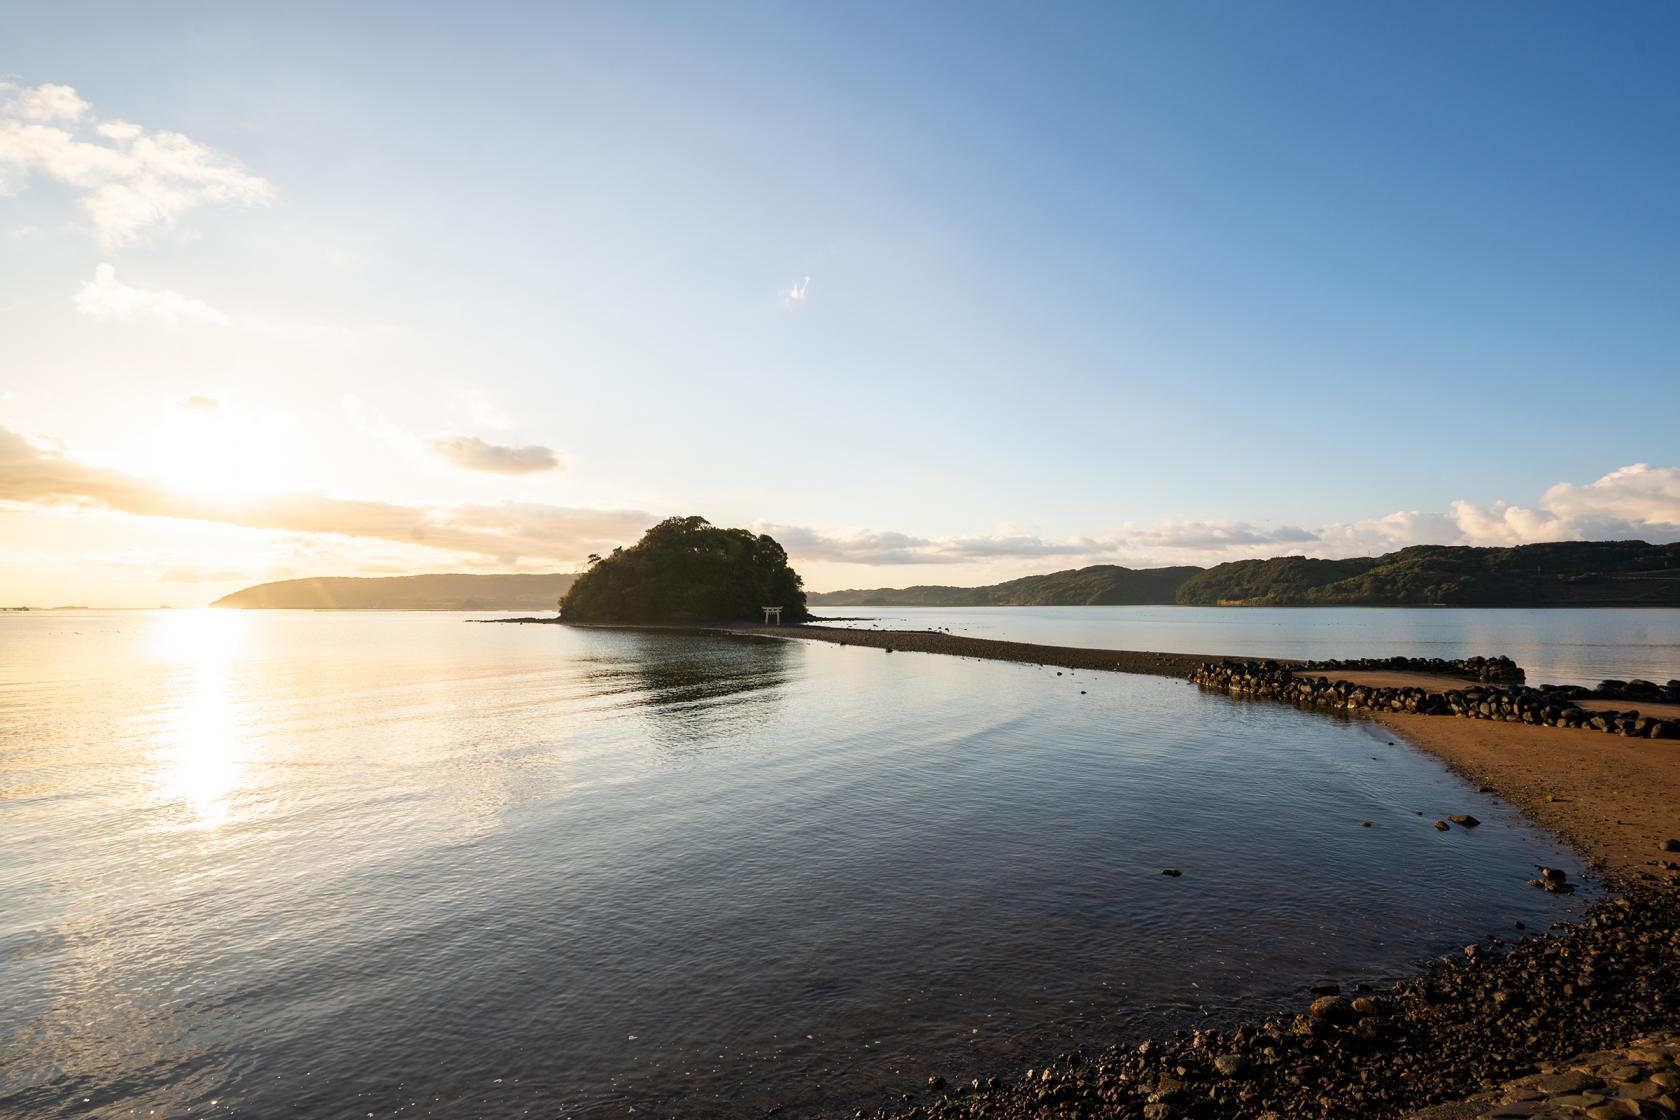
(685, 569)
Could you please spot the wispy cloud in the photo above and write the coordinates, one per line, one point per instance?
(128, 179)
(474, 454)
(106, 297)
(39, 473)
(795, 294)
(1633, 502)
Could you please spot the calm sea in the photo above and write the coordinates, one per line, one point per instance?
(1555, 646)
(353, 865)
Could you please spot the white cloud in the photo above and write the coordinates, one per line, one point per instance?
(106, 297)
(474, 454)
(128, 179)
(46, 103)
(1635, 502)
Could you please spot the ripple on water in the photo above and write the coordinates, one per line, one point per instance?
(347, 863)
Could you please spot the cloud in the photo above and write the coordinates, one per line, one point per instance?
(474, 454)
(105, 297)
(199, 403)
(45, 103)
(128, 179)
(1635, 502)
(795, 294)
(35, 473)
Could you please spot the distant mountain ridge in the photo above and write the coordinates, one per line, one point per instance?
(448, 591)
(1098, 585)
(1564, 574)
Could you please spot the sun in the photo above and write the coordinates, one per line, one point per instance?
(221, 457)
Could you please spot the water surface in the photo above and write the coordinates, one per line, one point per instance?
(341, 865)
(1563, 646)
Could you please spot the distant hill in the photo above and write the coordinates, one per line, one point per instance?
(1099, 585)
(442, 592)
(1566, 574)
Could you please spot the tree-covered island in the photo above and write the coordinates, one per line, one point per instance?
(685, 569)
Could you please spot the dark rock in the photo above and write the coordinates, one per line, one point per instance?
(936, 1083)
(1669, 846)
(1231, 1065)
(1464, 819)
(1332, 1009)
(1442, 826)
(1171, 871)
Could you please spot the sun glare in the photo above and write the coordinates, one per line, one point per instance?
(197, 768)
(218, 457)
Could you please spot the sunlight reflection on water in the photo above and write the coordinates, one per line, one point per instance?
(333, 864)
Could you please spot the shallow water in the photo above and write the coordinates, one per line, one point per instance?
(1565, 646)
(346, 864)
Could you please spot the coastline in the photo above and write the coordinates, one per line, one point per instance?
(1500, 1029)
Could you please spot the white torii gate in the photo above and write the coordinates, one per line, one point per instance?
(772, 616)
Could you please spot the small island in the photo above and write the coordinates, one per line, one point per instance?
(685, 570)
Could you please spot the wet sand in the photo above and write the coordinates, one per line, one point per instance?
(1612, 798)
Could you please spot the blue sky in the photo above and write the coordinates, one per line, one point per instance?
(936, 293)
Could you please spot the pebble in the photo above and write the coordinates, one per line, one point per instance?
(1497, 1033)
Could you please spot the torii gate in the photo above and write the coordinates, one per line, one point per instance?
(772, 616)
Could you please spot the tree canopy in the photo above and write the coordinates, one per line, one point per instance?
(685, 569)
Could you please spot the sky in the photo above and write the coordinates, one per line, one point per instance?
(932, 293)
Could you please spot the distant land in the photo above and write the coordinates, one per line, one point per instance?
(442, 592)
(1099, 585)
(1565, 574)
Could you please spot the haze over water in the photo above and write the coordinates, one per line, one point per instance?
(350, 864)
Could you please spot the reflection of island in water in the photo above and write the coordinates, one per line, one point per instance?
(694, 684)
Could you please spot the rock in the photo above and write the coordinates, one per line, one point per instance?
(1669, 846)
(1464, 819)
(1231, 1065)
(1442, 826)
(1172, 872)
(1573, 1081)
(1553, 875)
(936, 1083)
(1332, 1009)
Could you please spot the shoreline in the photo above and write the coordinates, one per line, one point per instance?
(1500, 1029)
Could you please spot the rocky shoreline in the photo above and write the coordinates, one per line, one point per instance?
(1497, 1011)
(1513, 704)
